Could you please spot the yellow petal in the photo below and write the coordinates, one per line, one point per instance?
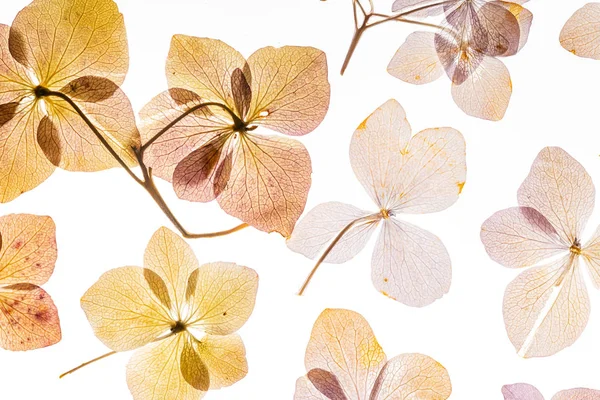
(67, 140)
(173, 260)
(28, 250)
(290, 90)
(339, 336)
(561, 190)
(155, 371)
(223, 297)
(14, 83)
(190, 133)
(412, 376)
(23, 165)
(581, 33)
(224, 357)
(193, 369)
(28, 318)
(124, 311)
(62, 40)
(270, 179)
(203, 66)
(546, 308)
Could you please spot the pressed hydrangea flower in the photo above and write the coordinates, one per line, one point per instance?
(547, 307)
(402, 174)
(474, 34)
(72, 48)
(344, 361)
(180, 317)
(216, 101)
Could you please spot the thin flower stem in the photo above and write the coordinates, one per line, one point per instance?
(87, 363)
(409, 21)
(110, 353)
(147, 182)
(357, 35)
(236, 120)
(360, 30)
(96, 132)
(367, 219)
(150, 186)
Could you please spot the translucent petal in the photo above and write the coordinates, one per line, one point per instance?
(577, 394)
(224, 298)
(23, 165)
(14, 82)
(184, 136)
(343, 343)
(290, 90)
(430, 8)
(173, 260)
(375, 150)
(28, 318)
(433, 172)
(520, 237)
(324, 222)
(521, 391)
(546, 308)
(203, 66)
(224, 358)
(591, 254)
(28, 252)
(409, 376)
(305, 390)
(204, 173)
(269, 182)
(417, 61)
(581, 33)
(66, 39)
(561, 190)
(410, 265)
(124, 311)
(486, 89)
(155, 371)
(67, 140)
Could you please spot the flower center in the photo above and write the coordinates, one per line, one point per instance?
(575, 247)
(40, 91)
(177, 327)
(385, 214)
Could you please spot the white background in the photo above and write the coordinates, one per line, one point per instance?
(105, 220)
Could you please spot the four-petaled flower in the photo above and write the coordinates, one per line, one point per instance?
(211, 151)
(474, 33)
(420, 174)
(76, 49)
(547, 307)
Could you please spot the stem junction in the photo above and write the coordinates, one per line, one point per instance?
(147, 181)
